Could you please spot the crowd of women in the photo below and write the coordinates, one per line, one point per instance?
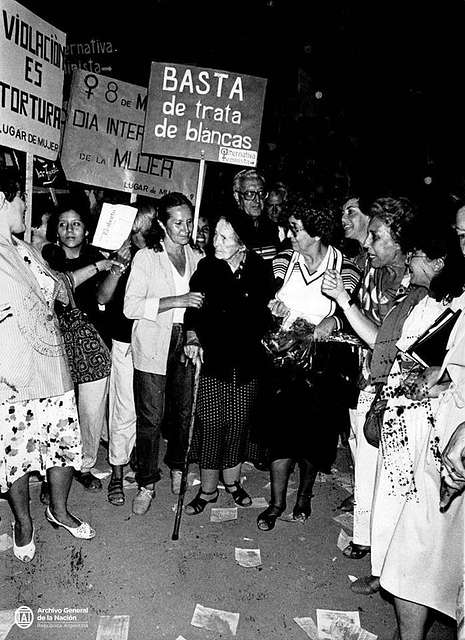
(324, 344)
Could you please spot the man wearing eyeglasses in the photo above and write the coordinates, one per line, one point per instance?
(250, 193)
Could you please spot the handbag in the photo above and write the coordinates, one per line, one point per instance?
(374, 418)
(88, 356)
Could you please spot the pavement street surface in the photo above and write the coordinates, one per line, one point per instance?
(132, 569)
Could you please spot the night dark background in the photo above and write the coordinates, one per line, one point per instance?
(390, 74)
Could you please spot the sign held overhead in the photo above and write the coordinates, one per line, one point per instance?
(32, 54)
(103, 138)
(204, 113)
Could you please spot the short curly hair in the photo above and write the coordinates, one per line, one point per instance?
(399, 214)
(318, 218)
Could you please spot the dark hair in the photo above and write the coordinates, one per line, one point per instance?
(155, 234)
(318, 218)
(10, 184)
(439, 241)
(55, 256)
(399, 214)
(68, 204)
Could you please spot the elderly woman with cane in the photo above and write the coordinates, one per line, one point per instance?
(225, 334)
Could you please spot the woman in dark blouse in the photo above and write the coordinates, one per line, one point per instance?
(226, 335)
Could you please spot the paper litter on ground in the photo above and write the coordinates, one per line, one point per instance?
(346, 520)
(113, 628)
(223, 514)
(343, 540)
(326, 617)
(345, 630)
(248, 557)
(101, 474)
(215, 619)
(180, 638)
(307, 625)
(6, 542)
(260, 503)
(7, 620)
(352, 578)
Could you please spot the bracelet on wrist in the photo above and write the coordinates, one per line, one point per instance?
(96, 267)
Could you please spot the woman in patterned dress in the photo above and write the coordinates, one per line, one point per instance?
(40, 429)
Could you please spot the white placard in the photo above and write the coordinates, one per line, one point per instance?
(114, 226)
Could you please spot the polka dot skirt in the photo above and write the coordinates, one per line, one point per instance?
(221, 434)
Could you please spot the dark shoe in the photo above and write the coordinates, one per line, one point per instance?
(267, 519)
(347, 505)
(355, 551)
(198, 504)
(44, 493)
(366, 585)
(115, 491)
(88, 481)
(303, 507)
(239, 495)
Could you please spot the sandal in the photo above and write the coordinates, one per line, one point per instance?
(115, 491)
(356, 551)
(239, 495)
(267, 519)
(88, 481)
(303, 507)
(198, 504)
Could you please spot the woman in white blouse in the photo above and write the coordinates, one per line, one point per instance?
(157, 295)
(304, 421)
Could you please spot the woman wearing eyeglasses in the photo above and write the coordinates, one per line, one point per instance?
(304, 421)
(38, 413)
(416, 550)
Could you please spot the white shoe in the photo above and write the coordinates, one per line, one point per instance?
(83, 531)
(176, 477)
(142, 501)
(27, 552)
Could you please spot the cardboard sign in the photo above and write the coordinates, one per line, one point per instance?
(197, 113)
(114, 226)
(32, 54)
(103, 137)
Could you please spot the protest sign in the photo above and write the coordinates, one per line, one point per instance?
(200, 113)
(114, 226)
(31, 81)
(103, 136)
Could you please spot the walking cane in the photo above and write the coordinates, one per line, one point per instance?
(182, 490)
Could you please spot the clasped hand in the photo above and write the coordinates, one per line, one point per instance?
(332, 285)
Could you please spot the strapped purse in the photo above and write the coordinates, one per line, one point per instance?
(88, 356)
(374, 418)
